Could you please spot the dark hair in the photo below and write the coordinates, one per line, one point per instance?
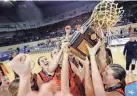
(120, 74)
(39, 59)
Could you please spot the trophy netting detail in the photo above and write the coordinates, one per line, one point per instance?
(105, 15)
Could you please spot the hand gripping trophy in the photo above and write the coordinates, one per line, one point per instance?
(104, 16)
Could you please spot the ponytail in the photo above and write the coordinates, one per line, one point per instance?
(123, 84)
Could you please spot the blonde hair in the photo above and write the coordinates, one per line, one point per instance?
(13, 87)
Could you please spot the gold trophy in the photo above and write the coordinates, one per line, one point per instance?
(105, 15)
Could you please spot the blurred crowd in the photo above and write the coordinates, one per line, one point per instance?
(50, 31)
(41, 33)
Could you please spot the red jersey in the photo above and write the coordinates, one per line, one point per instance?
(45, 76)
(120, 90)
(57, 78)
(73, 88)
(80, 85)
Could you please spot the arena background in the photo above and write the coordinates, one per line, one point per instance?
(15, 24)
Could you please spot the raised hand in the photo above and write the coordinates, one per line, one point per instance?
(65, 46)
(100, 32)
(68, 29)
(84, 62)
(92, 51)
(21, 64)
(55, 53)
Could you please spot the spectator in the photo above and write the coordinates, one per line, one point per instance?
(129, 51)
(18, 50)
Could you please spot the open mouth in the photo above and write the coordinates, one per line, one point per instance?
(46, 63)
(8, 83)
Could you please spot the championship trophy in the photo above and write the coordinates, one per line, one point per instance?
(105, 15)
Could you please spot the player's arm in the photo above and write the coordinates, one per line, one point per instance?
(21, 64)
(55, 61)
(102, 58)
(97, 80)
(65, 72)
(89, 90)
(77, 71)
(56, 57)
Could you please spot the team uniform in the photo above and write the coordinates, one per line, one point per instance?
(45, 76)
(72, 82)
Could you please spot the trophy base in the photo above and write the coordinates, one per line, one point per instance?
(79, 41)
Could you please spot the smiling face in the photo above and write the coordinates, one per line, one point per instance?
(43, 61)
(5, 81)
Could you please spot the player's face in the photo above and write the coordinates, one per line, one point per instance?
(43, 61)
(108, 78)
(5, 81)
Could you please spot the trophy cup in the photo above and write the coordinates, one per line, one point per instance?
(105, 15)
